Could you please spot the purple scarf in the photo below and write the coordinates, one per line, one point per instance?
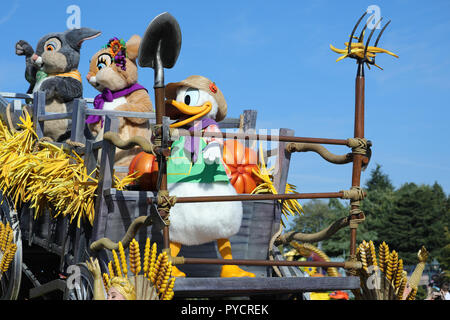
(191, 144)
(108, 96)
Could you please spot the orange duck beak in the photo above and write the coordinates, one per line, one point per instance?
(186, 114)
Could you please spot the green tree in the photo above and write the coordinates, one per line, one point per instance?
(419, 218)
(378, 204)
(379, 180)
(316, 217)
(405, 219)
(444, 257)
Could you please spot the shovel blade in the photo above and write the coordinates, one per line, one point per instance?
(164, 33)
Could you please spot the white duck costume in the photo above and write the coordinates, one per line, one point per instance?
(195, 168)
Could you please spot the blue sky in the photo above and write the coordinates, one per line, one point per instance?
(274, 56)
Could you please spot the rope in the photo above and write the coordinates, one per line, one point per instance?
(75, 143)
(358, 145)
(355, 193)
(157, 138)
(38, 142)
(165, 202)
(271, 244)
(9, 119)
(355, 222)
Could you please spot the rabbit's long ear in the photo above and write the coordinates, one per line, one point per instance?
(75, 37)
(133, 47)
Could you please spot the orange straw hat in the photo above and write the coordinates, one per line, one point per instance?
(204, 84)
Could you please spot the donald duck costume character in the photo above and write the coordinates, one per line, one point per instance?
(195, 168)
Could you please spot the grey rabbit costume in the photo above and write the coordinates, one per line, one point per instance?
(52, 68)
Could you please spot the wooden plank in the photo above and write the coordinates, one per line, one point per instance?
(229, 123)
(105, 179)
(38, 111)
(127, 194)
(48, 287)
(3, 101)
(215, 287)
(249, 120)
(78, 121)
(16, 112)
(282, 165)
(90, 156)
(54, 116)
(3, 105)
(13, 95)
(129, 114)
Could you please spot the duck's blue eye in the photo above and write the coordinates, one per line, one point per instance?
(101, 65)
(191, 97)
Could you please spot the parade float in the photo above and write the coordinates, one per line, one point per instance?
(192, 189)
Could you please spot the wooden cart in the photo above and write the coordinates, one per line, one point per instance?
(50, 247)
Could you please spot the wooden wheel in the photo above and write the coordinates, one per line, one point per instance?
(84, 288)
(10, 280)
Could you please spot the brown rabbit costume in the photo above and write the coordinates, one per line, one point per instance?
(113, 71)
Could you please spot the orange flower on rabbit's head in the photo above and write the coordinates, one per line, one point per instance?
(118, 50)
(115, 46)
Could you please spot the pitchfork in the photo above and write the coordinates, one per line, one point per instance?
(365, 59)
(360, 160)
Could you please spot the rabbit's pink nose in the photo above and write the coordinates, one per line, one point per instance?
(88, 76)
(34, 57)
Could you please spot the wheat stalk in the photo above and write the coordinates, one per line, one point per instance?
(399, 274)
(402, 287)
(135, 257)
(412, 294)
(146, 256)
(111, 270)
(117, 264)
(168, 294)
(106, 281)
(383, 256)
(123, 259)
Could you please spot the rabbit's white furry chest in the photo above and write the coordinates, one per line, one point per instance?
(115, 103)
(198, 223)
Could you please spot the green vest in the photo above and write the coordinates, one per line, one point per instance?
(181, 169)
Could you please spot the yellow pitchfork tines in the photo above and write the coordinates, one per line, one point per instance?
(363, 53)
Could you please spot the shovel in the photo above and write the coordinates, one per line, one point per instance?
(159, 49)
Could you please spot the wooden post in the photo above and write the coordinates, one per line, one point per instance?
(358, 133)
(249, 119)
(162, 163)
(284, 157)
(105, 179)
(78, 121)
(38, 110)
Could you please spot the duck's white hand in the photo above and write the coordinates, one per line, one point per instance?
(212, 153)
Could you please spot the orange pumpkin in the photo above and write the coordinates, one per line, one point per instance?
(147, 167)
(240, 162)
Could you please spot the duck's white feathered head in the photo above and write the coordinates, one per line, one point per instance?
(192, 99)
